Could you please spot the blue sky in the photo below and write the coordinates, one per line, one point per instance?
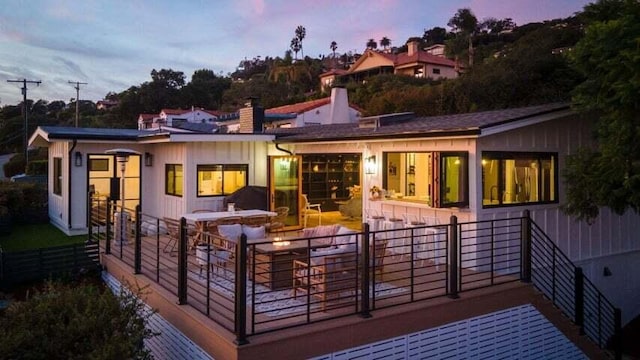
(112, 45)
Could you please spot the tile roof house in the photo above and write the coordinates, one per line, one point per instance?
(176, 117)
(479, 167)
(430, 63)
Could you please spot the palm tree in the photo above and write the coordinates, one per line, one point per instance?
(372, 44)
(295, 46)
(385, 42)
(465, 22)
(301, 33)
(333, 47)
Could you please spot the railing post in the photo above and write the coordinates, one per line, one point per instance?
(182, 263)
(452, 286)
(525, 247)
(89, 217)
(617, 334)
(107, 222)
(137, 262)
(366, 271)
(579, 298)
(240, 315)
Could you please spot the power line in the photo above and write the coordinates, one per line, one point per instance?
(25, 109)
(77, 87)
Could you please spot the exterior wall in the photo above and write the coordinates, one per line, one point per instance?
(58, 204)
(395, 206)
(445, 72)
(612, 240)
(372, 61)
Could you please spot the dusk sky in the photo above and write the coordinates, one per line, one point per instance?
(112, 45)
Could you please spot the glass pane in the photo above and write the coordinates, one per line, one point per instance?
(454, 174)
(490, 189)
(178, 179)
(234, 180)
(285, 180)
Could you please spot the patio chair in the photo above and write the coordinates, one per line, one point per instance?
(327, 277)
(255, 220)
(173, 229)
(310, 209)
(212, 226)
(276, 223)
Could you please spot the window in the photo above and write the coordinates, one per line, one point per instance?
(518, 178)
(435, 71)
(173, 179)
(216, 180)
(433, 178)
(57, 176)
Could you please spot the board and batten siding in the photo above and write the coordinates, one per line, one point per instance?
(58, 213)
(612, 241)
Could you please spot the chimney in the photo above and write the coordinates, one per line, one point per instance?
(251, 117)
(339, 113)
(412, 47)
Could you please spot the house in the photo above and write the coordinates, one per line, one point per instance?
(177, 117)
(477, 167)
(106, 104)
(429, 63)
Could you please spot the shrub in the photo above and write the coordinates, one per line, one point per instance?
(37, 167)
(28, 202)
(76, 321)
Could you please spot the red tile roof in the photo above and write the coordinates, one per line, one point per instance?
(420, 56)
(174, 111)
(299, 108)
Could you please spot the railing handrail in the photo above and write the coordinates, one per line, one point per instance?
(498, 237)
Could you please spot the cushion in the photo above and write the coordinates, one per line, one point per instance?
(323, 233)
(254, 232)
(230, 232)
(345, 241)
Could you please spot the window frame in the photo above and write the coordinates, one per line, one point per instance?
(437, 177)
(518, 155)
(57, 176)
(223, 168)
(174, 191)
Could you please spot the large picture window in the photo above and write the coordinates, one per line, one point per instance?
(437, 179)
(57, 176)
(173, 179)
(518, 178)
(216, 180)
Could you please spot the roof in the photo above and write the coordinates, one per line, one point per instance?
(403, 126)
(147, 117)
(334, 72)
(79, 133)
(174, 111)
(299, 108)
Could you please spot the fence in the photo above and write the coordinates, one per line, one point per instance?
(263, 288)
(30, 265)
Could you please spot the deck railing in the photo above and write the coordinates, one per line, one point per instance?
(416, 263)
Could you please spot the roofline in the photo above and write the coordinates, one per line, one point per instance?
(466, 133)
(546, 112)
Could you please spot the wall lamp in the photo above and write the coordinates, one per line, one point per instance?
(370, 165)
(148, 159)
(78, 158)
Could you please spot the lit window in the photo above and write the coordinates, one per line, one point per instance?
(173, 179)
(216, 180)
(413, 177)
(518, 178)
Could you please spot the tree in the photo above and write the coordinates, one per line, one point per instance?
(372, 44)
(301, 33)
(436, 35)
(75, 321)
(608, 59)
(465, 23)
(385, 42)
(295, 46)
(334, 47)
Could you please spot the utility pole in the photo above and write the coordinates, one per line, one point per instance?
(77, 87)
(25, 109)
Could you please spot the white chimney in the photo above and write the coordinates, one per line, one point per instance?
(339, 113)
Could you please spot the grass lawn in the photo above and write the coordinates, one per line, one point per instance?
(27, 237)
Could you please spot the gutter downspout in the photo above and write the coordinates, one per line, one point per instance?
(283, 150)
(75, 142)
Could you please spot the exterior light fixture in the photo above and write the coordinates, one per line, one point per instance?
(148, 159)
(370, 165)
(78, 158)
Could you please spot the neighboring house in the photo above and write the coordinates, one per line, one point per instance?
(429, 63)
(106, 104)
(177, 117)
(477, 166)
